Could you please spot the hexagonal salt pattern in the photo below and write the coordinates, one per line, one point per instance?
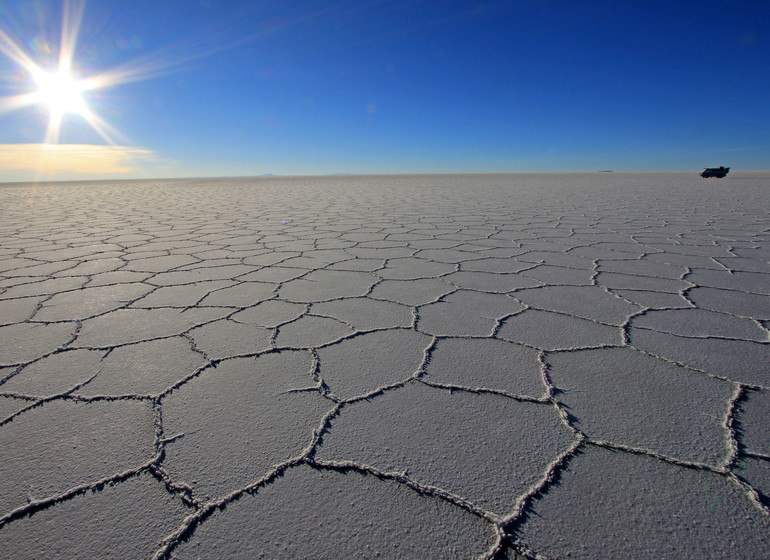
(628, 398)
(59, 445)
(616, 505)
(308, 513)
(124, 520)
(498, 366)
(477, 446)
(239, 419)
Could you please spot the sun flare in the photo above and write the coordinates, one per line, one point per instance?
(59, 89)
(60, 92)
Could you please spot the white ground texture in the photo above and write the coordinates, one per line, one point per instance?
(488, 366)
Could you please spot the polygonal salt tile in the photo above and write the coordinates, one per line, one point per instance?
(211, 263)
(225, 339)
(138, 252)
(134, 325)
(91, 267)
(15, 263)
(130, 238)
(700, 323)
(450, 256)
(486, 363)
(753, 427)
(270, 313)
(556, 258)
(308, 262)
(466, 313)
(269, 258)
(146, 368)
(756, 472)
(499, 253)
(274, 274)
(44, 288)
(356, 264)
(62, 444)
(560, 275)
(492, 282)
(26, 341)
(753, 282)
(493, 244)
(180, 296)
(741, 361)
(243, 294)
(17, 310)
(239, 420)
(702, 246)
(11, 405)
(425, 243)
(327, 255)
(364, 515)
(160, 263)
(614, 280)
(323, 285)
(210, 254)
(623, 396)
(653, 300)
(117, 277)
(89, 302)
(310, 331)
(745, 264)
(380, 253)
(411, 292)
(587, 302)
(609, 504)
(730, 301)
(690, 261)
(492, 264)
(411, 268)
(7, 283)
(609, 251)
(554, 331)
(364, 313)
(200, 275)
(643, 267)
(361, 364)
(485, 448)
(241, 241)
(124, 520)
(43, 269)
(56, 373)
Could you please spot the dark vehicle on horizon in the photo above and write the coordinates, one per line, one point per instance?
(717, 172)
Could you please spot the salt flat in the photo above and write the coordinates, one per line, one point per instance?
(460, 366)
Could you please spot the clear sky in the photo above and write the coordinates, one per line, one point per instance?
(182, 88)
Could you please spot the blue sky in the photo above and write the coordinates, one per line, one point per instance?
(229, 88)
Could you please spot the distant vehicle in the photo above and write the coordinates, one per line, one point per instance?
(717, 172)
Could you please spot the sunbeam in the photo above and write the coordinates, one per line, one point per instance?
(58, 89)
(63, 91)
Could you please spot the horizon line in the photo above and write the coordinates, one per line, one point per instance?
(268, 176)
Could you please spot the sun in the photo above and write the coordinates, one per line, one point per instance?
(60, 91)
(66, 88)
